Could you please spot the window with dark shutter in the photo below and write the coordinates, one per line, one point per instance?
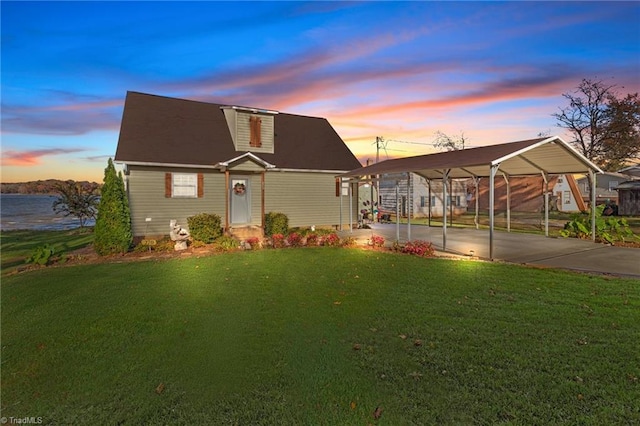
(168, 184)
(255, 128)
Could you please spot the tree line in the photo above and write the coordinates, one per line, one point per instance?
(48, 186)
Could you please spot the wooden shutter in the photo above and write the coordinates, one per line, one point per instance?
(338, 188)
(167, 185)
(255, 125)
(200, 185)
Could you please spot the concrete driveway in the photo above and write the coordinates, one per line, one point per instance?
(530, 249)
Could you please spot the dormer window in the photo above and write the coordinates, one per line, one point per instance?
(252, 130)
(255, 124)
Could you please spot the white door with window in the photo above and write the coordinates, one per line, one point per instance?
(240, 196)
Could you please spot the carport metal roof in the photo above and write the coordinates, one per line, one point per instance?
(542, 156)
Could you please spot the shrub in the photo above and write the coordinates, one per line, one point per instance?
(349, 242)
(608, 228)
(377, 241)
(41, 255)
(294, 239)
(112, 233)
(276, 223)
(419, 248)
(332, 240)
(312, 239)
(277, 241)
(226, 243)
(205, 227)
(254, 243)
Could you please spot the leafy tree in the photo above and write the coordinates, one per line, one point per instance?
(606, 128)
(113, 223)
(74, 200)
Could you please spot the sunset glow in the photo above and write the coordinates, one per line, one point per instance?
(399, 70)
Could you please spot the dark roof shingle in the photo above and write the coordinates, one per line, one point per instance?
(162, 130)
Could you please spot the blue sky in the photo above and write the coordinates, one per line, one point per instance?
(401, 70)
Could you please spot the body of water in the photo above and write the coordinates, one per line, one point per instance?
(34, 212)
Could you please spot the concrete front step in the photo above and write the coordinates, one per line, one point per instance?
(243, 233)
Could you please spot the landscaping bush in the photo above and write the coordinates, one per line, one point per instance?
(419, 248)
(312, 239)
(41, 255)
(377, 241)
(254, 243)
(205, 227)
(332, 240)
(294, 240)
(226, 243)
(277, 241)
(608, 228)
(276, 223)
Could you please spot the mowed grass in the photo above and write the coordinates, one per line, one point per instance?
(17, 246)
(319, 336)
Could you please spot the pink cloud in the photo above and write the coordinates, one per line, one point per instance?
(32, 157)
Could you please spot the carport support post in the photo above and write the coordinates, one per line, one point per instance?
(429, 186)
(350, 207)
(546, 204)
(445, 179)
(397, 212)
(592, 175)
(492, 187)
(475, 219)
(409, 204)
(506, 179)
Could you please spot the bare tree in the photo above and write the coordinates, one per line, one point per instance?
(444, 141)
(74, 200)
(606, 129)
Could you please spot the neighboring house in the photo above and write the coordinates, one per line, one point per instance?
(421, 198)
(631, 171)
(606, 185)
(184, 157)
(629, 197)
(527, 194)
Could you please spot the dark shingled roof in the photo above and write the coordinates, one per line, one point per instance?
(522, 158)
(162, 130)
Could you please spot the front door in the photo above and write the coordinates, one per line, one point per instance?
(240, 196)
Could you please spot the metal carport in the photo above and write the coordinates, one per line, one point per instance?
(543, 156)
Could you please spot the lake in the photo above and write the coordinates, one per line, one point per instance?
(34, 212)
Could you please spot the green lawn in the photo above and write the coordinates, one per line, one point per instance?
(17, 246)
(319, 336)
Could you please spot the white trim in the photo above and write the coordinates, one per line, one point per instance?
(558, 139)
(250, 155)
(335, 172)
(249, 109)
(176, 165)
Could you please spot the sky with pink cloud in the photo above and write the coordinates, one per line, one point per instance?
(495, 71)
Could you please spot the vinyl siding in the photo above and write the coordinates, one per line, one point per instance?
(307, 198)
(145, 186)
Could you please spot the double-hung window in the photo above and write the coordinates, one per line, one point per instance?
(184, 185)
